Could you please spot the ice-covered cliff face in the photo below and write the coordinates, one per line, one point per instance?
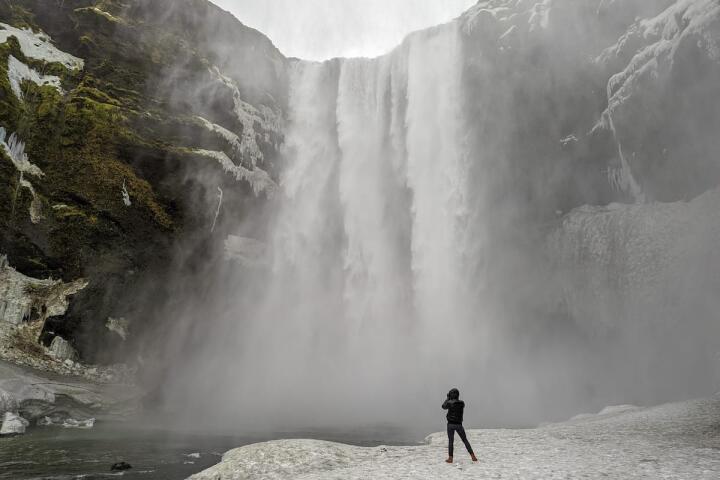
(431, 225)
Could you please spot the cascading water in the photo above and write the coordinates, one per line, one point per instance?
(367, 288)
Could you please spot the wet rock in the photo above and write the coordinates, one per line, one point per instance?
(13, 424)
(120, 466)
(62, 350)
(8, 402)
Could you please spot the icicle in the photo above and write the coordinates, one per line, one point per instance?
(217, 212)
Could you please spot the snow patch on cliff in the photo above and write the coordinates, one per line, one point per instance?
(657, 40)
(231, 138)
(39, 46)
(35, 208)
(15, 149)
(125, 195)
(247, 143)
(526, 15)
(18, 72)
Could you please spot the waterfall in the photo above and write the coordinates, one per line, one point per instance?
(437, 175)
(375, 190)
(367, 279)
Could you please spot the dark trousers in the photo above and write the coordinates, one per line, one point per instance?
(451, 429)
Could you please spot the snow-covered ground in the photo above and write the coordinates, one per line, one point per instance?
(675, 441)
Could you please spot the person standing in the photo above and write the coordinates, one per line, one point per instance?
(455, 408)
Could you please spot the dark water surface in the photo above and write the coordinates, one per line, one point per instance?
(69, 454)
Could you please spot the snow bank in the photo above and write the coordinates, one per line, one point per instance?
(39, 46)
(668, 442)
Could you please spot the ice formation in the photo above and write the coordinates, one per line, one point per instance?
(629, 257)
(659, 39)
(247, 144)
(232, 139)
(125, 195)
(119, 326)
(15, 148)
(245, 152)
(13, 424)
(258, 179)
(21, 295)
(217, 211)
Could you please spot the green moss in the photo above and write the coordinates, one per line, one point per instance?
(17, 15)
(10, 107)
(64, 212)
(8, 188)
(101, 14)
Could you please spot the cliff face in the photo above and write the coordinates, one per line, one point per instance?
(121, 122)
(592, 125)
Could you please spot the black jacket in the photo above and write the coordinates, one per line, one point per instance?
(455, 409)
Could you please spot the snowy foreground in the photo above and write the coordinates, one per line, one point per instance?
(676, 441)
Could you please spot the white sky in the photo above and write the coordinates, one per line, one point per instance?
(322, 29)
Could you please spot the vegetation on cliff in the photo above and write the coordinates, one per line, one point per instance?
(117, 141)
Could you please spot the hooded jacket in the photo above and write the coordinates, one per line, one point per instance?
(454, 406)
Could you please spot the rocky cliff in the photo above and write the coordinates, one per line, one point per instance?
(124, 126)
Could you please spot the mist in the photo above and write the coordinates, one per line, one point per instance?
(323, 29)
(478, 208)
